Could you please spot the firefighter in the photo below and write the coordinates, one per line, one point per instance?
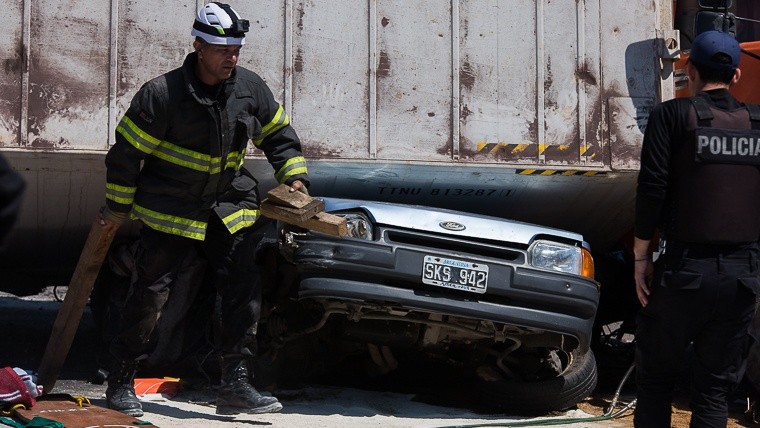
(189, 129)
(699, 186)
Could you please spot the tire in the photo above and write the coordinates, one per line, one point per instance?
(539, 397)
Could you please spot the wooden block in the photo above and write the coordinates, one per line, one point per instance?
(321, 222)
(281, 195)
(330, 224)
(288, 214)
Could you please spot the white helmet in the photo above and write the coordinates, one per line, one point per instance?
(219, 24)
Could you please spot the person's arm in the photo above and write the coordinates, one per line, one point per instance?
(663, 127)
(138, 134)
(280, 142)
(642, 269)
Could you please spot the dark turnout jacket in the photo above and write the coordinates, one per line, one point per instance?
(179, 152)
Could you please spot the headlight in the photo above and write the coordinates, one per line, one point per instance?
(561, 257)
(358, 225)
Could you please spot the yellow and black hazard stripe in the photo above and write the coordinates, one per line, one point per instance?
(589, 152)
(507, 149)
(533, 150)
(558, 172)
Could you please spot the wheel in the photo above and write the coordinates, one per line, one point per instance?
(562, 392)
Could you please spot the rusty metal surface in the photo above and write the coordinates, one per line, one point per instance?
(629, 30)
(68, 75)
(11, 71)
(330, 79)
(519, 82)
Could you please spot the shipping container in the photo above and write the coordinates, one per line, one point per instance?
(530, 110)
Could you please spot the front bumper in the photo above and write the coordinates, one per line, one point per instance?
(388, 271)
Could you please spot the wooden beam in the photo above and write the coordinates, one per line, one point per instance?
(287, 214)
(320, 221)
(328, 223)
(70, 313)
(281, 195)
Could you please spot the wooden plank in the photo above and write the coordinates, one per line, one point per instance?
(288, 214)
(321, 222)
(70, 313)
(281, 195)
(330, 224)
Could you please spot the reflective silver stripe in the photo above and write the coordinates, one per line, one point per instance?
(240, 219)
(279, 121)
(183, 157)
(170, 224)
(233, 160)
(293, 166)
(138, 138)
(120, 194)
(165, 150)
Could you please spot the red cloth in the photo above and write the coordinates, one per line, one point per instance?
(13, 390)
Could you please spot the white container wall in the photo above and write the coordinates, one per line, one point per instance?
(493, 106)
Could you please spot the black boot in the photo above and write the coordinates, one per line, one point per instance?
(120, 394)
(236, 395)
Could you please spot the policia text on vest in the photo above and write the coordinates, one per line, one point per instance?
(728, 146)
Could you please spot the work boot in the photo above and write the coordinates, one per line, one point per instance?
(120, 394)
(237, 395)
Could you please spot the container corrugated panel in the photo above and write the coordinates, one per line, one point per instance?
(555, 83)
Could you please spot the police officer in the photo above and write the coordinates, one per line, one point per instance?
(699, 187)
(177, 167)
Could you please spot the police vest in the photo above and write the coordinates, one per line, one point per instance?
(716, 176)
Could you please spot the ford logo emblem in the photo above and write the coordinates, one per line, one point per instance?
(452, 225)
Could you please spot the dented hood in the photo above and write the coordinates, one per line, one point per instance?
(448, 222)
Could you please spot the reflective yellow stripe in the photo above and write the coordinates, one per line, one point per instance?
(294, 166)
(280, 114)
(216, 165)
(140, 139)
(241, 161)
(279, 121)
(183, 157)
(120, 194)
(165, 150)
(240, 219)
(170, 224)
(233, 161)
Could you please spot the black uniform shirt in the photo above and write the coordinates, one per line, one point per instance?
(667, 126)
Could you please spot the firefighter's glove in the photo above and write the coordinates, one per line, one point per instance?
(113, 216)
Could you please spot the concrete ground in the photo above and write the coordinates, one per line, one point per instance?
(26, 322)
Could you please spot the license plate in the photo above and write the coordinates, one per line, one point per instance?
(456, 274)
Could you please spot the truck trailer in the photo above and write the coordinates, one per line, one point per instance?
(525, 110)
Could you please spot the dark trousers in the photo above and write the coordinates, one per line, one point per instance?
(704, 297)
(157, 262)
